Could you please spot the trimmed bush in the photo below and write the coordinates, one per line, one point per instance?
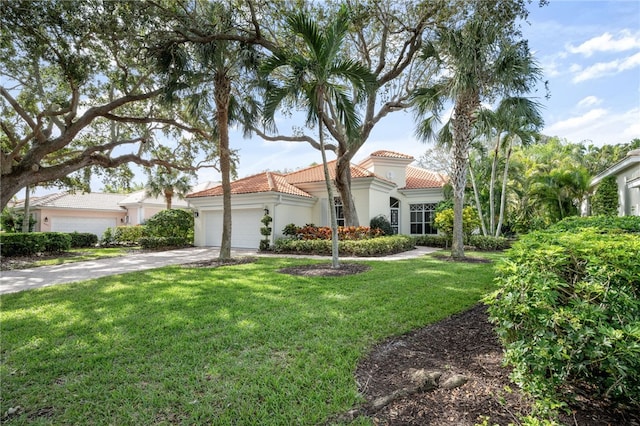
(431, 241)
(83, 239)
(128, 235)
(312, 232)
(57, 242)
(380, 246)
(382, 223)
(153, 243)
(612, 223)
(568, 313)
(605, 201)
(444, 222)
(174, 225)
(489, 243)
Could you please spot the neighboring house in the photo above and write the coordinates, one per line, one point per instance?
(94, 212)
(383, 184)
(627, 173)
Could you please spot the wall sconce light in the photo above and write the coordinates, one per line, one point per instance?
(196, 213)
(121, 220)
(46, 219)
(266, 211)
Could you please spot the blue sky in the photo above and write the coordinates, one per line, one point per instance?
(590, 54)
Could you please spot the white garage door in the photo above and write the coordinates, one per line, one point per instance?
(245, 228)
(93, 225)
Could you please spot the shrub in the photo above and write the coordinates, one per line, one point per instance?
(21, 244)
(444, 222)
(173, 225)
(382, 223)
(128, 235)
(83, 239)
(311, 232)
(568, 312)
(56, 242)
(368, 247)
(107, 237)
(489, 243)
(604, 223)
(605, 200)
(11, 221)
(290, 230)
(431, 240)
(265, 231)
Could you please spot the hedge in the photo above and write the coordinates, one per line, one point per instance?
(28, 244)
(379, 246)
(610, 223)
(83, 239)
(568, 312)
(153, 243)
(431, 241)
(128, 235)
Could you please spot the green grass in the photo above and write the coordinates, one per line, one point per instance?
(240, 344)
(82, 254)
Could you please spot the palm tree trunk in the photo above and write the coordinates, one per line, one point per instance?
(222, 92)
(168, 197)
(477, 198)
(492, 184)
(335, 262)
(27, 215)
(503, 196)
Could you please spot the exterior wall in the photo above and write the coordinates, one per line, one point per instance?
(284, 214)
(45, 216)
(409, 197)
(629, 197)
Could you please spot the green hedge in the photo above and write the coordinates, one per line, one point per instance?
(83, 239)
(173, 225)
(128, 235)
(612, 223)
(28, 244)
(379, 246)
(431, 241)
(488, 243)
(153, 243)
(568, 312)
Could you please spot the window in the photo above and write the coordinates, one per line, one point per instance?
(394, 213)
(421, 218)
(339, 210)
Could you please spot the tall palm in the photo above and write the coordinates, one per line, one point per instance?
(315, 75)
(516, 119)
(167, 182)
(480, 60)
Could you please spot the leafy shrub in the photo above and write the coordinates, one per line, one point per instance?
(153, 243)
(605, 201)
(615, 223)
(382, 223)
(11, 221)
(83, 239)
(28, 244)
(21, 244)
(290, 230)
(56, 242)
(568, 312)
(444, 222)
(173, 224)
(368, 247)
(265, 231)
(489, 243)
(128, 235)
(312, 232)
(431, 240)
(107, 237)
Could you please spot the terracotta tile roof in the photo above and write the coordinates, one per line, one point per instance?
(316, 173)
(391, 154)
(418, 178)
(262, 182)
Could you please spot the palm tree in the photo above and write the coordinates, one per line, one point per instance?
(168, 183)
(315, 75)
(480, 61)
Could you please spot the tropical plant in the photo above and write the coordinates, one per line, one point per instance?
(480, 59)
(167, 182)
(317, 76)
(606, 200)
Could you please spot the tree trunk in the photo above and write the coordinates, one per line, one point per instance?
(168, 197)
(343, 184)
(27, 214)
(477, 198)
(503, 196)
(222, 92)
(492, 185)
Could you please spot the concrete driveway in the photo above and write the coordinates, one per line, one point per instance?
(44, 276)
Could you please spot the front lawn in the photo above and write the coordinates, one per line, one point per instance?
(240, 344)
(73, 255)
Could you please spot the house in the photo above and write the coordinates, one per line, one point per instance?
(627, 173)
(94, 212)
(384, 183)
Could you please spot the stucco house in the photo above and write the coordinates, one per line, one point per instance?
(627, 173)
(384, 183)
(93, 212)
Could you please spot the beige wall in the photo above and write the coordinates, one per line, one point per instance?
(48, 214)
(629, 197)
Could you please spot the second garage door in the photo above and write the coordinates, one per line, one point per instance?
(245, 228)
(92, 225)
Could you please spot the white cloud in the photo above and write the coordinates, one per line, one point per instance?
(624, 40)
(576, 122)
(589, 101)
(599, 126)
(601, 69)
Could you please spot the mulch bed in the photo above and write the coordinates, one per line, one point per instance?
(462, 345)
(325, 270)
(215, 263)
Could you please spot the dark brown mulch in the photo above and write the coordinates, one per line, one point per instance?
(325, 270)
(466, 259)
(464, 344)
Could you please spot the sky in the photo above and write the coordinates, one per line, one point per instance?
(590, 55)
